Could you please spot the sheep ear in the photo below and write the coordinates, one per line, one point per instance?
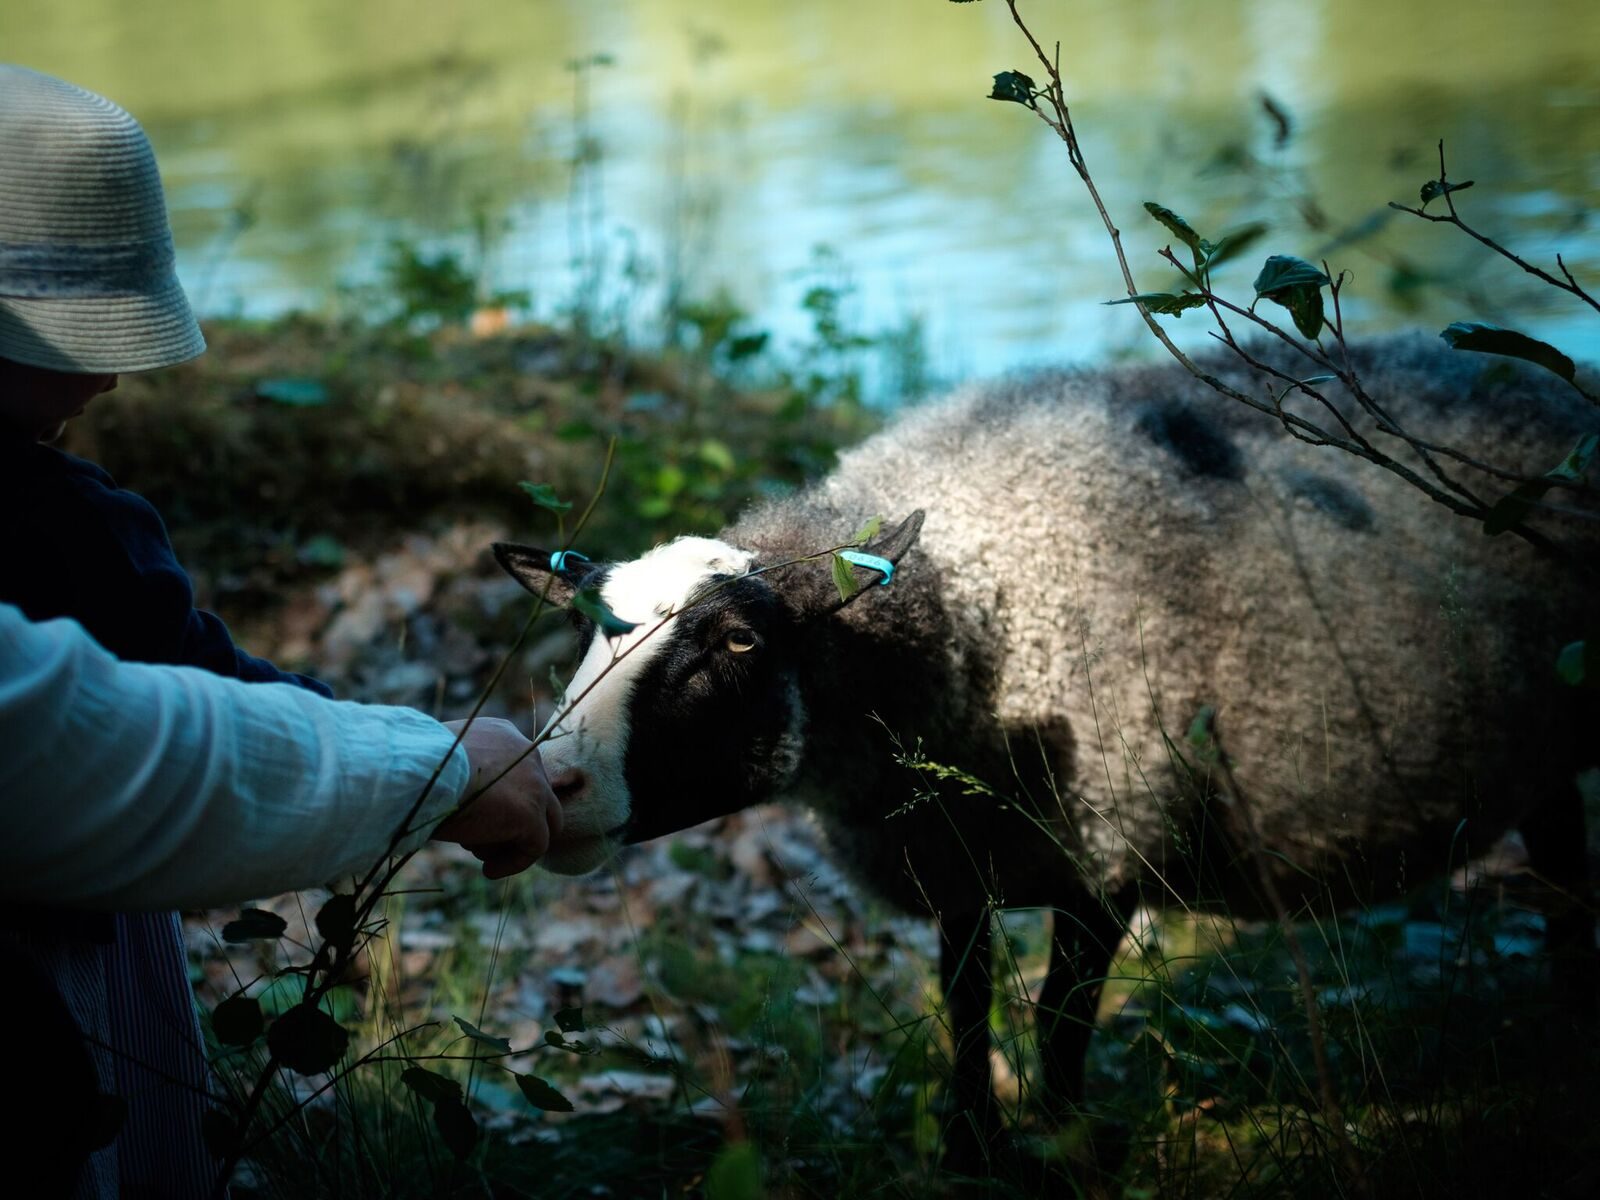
(820, 596)
(531, 568)
(894, 544)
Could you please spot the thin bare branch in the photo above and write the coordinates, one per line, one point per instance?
(1443, 488)
(1452, 217)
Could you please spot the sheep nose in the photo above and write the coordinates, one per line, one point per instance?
(569, 785)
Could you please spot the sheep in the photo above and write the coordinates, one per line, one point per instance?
(1090, 559)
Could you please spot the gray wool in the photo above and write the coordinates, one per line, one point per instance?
(1105, 552)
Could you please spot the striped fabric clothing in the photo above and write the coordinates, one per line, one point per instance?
(130, 1000)
(158, 1062)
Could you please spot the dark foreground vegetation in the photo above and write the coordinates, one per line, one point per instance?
(722, 1014)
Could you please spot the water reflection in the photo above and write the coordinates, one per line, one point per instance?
(298, 140)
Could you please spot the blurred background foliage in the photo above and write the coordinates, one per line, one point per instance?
(300, 141)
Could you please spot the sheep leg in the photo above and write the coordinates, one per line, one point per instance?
(1558, 852)
(964, 974)
(1085, 934)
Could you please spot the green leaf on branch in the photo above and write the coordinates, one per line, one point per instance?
(502, 1045)
(1574, 468)
(570, 1020)
(867, 532)
(307, 1040)
(1283, 272)
(1297, 285)
(844, 579)
(1231, 244)
(1176, 225)
(1435, 188)
(1513, 508)
(1305, 384)
(237, 1021)
(1013, 86)
(1491, 339)
(541, 1095)
(336, 921)
(451, 1116)
(544, 496)
(1166, 304)
(430, 1085)
(589, 603)
(254, 924)
(1305, 307)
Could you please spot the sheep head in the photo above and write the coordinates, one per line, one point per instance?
(686, 702)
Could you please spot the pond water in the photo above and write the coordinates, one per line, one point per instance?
(724, 143)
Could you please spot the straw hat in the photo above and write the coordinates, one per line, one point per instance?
(86, 263)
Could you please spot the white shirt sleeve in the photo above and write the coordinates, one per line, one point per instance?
(129, 786)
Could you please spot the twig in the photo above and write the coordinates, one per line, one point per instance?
(1444, 489)
(330, 961)
(1451, 217)
(337, 1078)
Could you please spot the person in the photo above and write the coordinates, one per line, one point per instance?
(130, 787)
(89, 291)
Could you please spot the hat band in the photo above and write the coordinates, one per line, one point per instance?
(84, 270)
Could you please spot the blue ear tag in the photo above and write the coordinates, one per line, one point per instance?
(871, 561)
(558, 560)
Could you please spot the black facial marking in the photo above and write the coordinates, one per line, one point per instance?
(1337, 500)
(705, 723)
(584, 626)
(1192, 440)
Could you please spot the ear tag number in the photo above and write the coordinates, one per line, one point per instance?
(871, 562)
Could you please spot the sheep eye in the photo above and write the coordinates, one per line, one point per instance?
(740, 641)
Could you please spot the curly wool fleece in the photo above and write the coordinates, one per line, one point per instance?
(1105, 553)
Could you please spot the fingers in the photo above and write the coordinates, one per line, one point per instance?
(511, 823)
(501, 864)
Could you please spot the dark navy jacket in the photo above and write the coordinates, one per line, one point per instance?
(74, 544)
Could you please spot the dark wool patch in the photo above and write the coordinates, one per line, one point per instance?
(1333, 498)
(1192, 440)
(704, 721)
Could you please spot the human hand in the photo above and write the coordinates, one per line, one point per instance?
(510, 823)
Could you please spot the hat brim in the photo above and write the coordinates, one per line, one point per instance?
(94, 335)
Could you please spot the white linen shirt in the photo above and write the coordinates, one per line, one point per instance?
(125, 786)
(131, 786)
